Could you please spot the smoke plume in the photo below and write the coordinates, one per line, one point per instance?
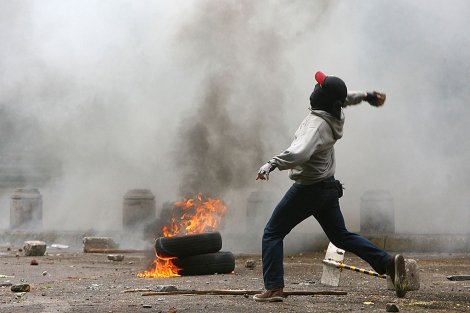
(97, 98)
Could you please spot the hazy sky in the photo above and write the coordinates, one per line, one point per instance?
(177, 96)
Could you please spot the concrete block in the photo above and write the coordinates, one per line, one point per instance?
(331, 275)
(412, 274)
(34, 248)
(96, 243)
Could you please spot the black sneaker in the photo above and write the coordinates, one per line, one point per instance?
(271, 295)
(396, 270)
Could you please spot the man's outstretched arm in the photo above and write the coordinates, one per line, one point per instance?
(374, 98)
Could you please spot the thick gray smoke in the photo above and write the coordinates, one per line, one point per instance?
(97, 98)
(240, 101)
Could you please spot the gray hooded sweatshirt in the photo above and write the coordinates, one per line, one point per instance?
(311, 156)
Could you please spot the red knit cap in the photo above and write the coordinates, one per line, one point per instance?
(320, 77)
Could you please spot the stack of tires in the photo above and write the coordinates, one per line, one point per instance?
(197, 254)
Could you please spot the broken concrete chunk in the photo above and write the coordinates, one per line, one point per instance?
(90, 243)
(412, 275)
(34, 248)
(250, 264)
(165, 288)
(392, 307)
(115, 257)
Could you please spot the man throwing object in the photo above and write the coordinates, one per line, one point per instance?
(315, 192)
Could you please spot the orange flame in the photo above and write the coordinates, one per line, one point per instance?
(162, 267)
(190, 216)
(197, 216)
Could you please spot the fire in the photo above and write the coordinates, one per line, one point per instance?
(194, 216)
(162, 267)
(189, 216)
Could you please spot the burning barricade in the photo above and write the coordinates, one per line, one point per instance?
(190, 244)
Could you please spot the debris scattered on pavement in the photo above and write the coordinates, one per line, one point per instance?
(21, 288)
(115, 257)
(250, 264)
(392, 307)
(137, 290)
(18, 295)
(243, 292)
(94, 287)
(165, 288)
(33, 262)
(459, 277)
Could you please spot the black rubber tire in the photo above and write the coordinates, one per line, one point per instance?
(222, 262)
(184, 246)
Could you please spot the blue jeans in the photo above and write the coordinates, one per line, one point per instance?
(299, 203)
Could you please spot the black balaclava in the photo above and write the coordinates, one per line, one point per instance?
(329, 94)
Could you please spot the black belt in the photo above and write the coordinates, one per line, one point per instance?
(333, 185)
(329, 184)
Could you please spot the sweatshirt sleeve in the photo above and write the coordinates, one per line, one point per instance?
(300, 151)
(354, 97)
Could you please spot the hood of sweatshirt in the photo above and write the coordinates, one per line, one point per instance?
(336, 125)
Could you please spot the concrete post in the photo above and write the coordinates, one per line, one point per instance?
(26, 209)
(138, 208)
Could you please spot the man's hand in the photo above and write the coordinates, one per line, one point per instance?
(375, 98)
(264, 171)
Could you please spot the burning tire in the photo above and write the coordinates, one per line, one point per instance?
(222, 262)
(189, 245)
